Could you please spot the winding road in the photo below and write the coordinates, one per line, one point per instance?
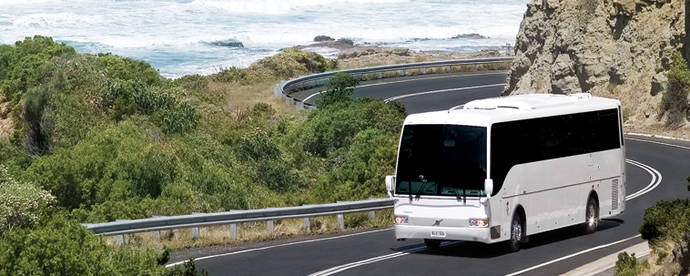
(656, 171)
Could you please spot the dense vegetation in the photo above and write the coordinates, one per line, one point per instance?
(102, 137)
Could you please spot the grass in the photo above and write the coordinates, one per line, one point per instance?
(255, 231)
(241, 97)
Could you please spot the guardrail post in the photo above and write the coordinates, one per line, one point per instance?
(341, 221)
(157, 233)
(233, 231)
(276, 90)
(269, 226)
(120, 239)
(380, 75)
(424, 70)
(372, 215)
(401, 72)
(448, 69)
(306, 225)
(195, 233)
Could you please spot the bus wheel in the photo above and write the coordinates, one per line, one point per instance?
(517, 233)
(591, 216)
(432, 244)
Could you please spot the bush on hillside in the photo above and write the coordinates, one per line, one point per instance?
(61, 246)
(628, 265)
(112, 163)
(27, 64)
(656, 227)
(357, 172)
(21, 204)
(332, 127)
(675, 100)
(287, 64)
(340, 88)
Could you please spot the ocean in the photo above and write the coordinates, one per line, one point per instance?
(180, 37)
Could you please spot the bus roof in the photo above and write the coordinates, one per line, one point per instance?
(485, 112)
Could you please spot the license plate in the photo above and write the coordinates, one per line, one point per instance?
(438, 234)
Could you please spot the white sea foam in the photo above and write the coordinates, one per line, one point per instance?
(170, 33)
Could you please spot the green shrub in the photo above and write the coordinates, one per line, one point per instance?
(115, 162)
(656, 226)
(61, 246)
(123, 68)
(675, 100)
(341, 86)
(126, 98)
(289, 63)
(27, 64)
(333, 126)
(627, 265)
(361, 169)
(21, 204)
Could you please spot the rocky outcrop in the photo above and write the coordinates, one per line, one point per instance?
(6, 123)
(469, 36)
(322, 38)
(373, 50)
(612, 48)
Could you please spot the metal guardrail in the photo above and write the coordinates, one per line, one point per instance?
(233, 218)
(285, 88)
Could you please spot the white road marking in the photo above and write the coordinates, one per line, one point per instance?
(442, 91)
(409, 80)
(572, 255)
(279, 245)
(656, 180)
(344, 267)
(312, 95)
(655, 142)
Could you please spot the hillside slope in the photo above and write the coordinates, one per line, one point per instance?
(614, 48)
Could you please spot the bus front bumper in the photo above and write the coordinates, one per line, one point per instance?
(478, 234)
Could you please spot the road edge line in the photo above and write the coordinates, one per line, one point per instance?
(605, 263)
(571, 255)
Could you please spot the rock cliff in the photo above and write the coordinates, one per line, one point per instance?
(613, 48)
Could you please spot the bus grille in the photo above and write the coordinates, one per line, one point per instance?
(614, 194)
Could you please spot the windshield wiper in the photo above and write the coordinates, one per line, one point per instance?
(421, 189)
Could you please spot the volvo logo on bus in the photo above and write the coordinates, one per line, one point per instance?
(437, 223)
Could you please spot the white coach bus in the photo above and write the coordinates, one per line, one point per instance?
(501, 169)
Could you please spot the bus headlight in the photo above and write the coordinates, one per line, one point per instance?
(400, 219)
(479, 223)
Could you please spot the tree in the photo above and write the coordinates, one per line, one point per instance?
(341, 86)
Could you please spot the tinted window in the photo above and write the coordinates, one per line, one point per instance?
(525, 141)
(442, 160)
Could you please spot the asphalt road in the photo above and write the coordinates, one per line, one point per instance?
(378, 253)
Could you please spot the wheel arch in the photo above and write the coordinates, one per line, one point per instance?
(520, 212)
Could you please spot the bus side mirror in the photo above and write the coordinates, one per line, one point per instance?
(390, 185)
(489, 187)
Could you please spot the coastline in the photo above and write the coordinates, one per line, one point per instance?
(350, 55)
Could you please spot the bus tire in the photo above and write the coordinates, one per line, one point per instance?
(517, 233)
(591, 215)
(432, 244)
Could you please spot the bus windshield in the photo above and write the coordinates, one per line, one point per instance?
(442, 160)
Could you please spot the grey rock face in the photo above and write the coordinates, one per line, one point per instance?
(612, 48)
